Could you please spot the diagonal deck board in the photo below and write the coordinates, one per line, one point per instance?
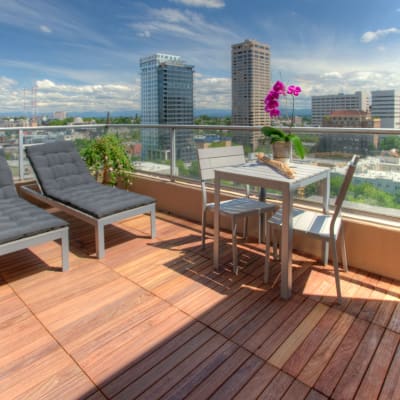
(154, 320)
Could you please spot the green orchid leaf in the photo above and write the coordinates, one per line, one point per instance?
(298, 146)
(270, 131)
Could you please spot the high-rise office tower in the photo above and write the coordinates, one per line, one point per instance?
(385, 105)
(166, 98)
(251, 82)
(322, 106)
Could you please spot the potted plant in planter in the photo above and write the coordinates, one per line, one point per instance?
(107, 158)
(282, 141)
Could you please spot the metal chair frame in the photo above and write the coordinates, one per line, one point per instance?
(326, 227)
(210, 159)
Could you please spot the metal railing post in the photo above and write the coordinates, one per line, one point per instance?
(21, 154)
(173, 154)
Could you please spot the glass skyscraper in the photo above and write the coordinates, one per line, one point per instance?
(166, 98)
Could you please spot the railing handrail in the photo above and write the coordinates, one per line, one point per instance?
(296, 129)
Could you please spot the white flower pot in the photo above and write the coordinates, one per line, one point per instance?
(282, 151)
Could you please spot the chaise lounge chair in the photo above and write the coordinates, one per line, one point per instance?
(23, 224)
(65, 182)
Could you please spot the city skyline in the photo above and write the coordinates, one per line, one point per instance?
(86, 58)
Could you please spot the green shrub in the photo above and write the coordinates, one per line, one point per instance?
(107, 159)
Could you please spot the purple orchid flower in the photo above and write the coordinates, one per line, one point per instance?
(294, 90)
(279, 87)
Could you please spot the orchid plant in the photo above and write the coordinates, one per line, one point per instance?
(271, 102)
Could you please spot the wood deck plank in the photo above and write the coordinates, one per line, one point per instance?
(305, 351)
(325, 351)
(297, 337)
(355, 370)
(281, 334)
(257, 383)
(278, 387)
(238, 379)
(220, 375)
(142, 365)
(378, 368)
(391, 386)
(153, 319)
(148, 380)
(175, 375)
(297, 391)
(266, 330)
(201, 372)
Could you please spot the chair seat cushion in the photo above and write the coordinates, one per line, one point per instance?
(20, 219)
(99, 200)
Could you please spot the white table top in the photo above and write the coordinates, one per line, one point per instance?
(258, 174)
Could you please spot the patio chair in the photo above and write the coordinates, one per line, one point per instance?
(211, 159)
(23, 224)
(65, 182)
(326, 227)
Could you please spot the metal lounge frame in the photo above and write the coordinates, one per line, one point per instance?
(97, 223)
(61, 233)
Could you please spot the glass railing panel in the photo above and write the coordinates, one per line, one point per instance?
(9, 141)
(79, 134)
(374, 190)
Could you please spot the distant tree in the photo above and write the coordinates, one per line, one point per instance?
(183, 171)
(58, 122)
(389, 142)
(194, 169)
(137, 119)
(217, 144)
(208, 120)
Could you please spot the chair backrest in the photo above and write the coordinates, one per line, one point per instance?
(7, 187)
(217, 157)
(58, 166)
(344, 188)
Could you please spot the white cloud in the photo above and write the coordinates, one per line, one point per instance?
(146, 33)
(184, 25)
(201, 3)
(371, 36)
(6, 83)
(211, 92)
(29, 15)
(51, 96)
(45, 29)
(333, 74)
(45, 84)
(110, 97)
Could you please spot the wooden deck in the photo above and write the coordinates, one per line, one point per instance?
(153, 320)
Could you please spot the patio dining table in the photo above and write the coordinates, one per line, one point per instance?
(263, 176)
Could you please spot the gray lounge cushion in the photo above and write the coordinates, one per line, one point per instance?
(64, 177)
(19, 218)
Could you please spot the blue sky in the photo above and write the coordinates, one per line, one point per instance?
(83, 55)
